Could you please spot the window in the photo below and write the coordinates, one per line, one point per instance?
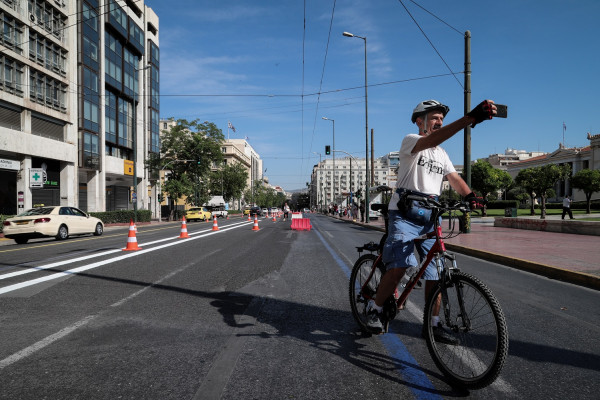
(113, 62)
(46, 90)
(48, 54)
(111, 118)
(154, 132)
(11, 33)
(48, 17)
(90, 17)
(117, 18)
(136, 36)
(90, 49)
(130, 81)
(90, 153)
(124, 123)
(11, 76)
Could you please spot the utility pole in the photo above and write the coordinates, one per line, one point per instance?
(372, 160)
(467, 99)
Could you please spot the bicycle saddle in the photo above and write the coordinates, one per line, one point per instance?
(371, 246)
(383, 208)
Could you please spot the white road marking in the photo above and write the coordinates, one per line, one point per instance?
(26, 352)
(57, 275)
(29, 270)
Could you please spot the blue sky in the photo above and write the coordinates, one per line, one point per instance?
(254, 64)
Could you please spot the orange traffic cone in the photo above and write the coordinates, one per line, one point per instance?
(249, 217)
(255, 227)
(215, 226)
(183, 234)
(274, 218)
(131, 239)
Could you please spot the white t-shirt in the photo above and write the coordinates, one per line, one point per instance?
(567, 203)
(421, 172)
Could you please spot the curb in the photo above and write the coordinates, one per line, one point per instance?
(564, 275)
(576, 278)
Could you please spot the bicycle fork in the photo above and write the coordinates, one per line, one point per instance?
(447, 283)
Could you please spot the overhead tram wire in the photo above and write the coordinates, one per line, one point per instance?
(436, 17)
(322, 75)
(431, 43)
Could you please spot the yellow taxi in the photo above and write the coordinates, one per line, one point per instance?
(198, 213)
(247, 211)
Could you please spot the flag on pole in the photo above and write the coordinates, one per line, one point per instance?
(230, 126)
(564, 127)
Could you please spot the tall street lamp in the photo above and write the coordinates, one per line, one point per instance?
(333, 154)
(348, 34)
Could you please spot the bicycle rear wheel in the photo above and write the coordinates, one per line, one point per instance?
(364, 281)
(473, 315)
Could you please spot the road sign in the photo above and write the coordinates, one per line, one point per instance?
(36, 178)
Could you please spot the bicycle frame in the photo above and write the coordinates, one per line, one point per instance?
(438, 251)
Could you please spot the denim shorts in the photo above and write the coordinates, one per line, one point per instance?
(398, 250)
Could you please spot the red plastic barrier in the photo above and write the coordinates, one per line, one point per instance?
(301, 224)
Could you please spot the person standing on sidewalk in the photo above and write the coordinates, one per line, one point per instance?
(423, 165)
(567, 207)
(362, 211)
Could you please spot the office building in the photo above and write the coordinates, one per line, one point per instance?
(79, 104)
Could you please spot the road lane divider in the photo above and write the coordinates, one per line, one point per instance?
(31, 269)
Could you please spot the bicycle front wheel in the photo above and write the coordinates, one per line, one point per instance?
(364, 281)
(473, 315)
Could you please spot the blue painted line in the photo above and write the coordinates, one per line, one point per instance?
(407, 366)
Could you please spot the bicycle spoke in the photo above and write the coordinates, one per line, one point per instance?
(477, 360)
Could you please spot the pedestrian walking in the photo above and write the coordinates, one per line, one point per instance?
(567, 207)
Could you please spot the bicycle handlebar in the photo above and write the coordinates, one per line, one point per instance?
(431, 203)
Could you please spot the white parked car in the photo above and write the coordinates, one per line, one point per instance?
(52, 221)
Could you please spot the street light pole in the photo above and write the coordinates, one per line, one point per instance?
(333, 187)
(348, 34)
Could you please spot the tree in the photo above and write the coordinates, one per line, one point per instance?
(229, 181)
(264, 196)
(526, 180)
(540, 181)
(188, 151)
(589, 182)
(487, 180)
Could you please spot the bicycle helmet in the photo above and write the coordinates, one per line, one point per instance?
(427, 106)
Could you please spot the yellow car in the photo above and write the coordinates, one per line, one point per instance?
(247, 211)
(198, 213)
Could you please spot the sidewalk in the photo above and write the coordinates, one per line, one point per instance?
(568, 257)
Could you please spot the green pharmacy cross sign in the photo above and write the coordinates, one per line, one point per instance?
(36, 178)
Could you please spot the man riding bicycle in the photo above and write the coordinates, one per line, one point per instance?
(422, 169)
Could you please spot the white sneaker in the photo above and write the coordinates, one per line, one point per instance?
(373, 318)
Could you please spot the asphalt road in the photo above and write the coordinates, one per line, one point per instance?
(239, 314)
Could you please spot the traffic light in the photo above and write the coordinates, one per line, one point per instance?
(328, 150)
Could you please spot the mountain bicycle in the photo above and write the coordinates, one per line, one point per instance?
(468, 307)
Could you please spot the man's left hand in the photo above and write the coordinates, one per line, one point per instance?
(474, 201)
